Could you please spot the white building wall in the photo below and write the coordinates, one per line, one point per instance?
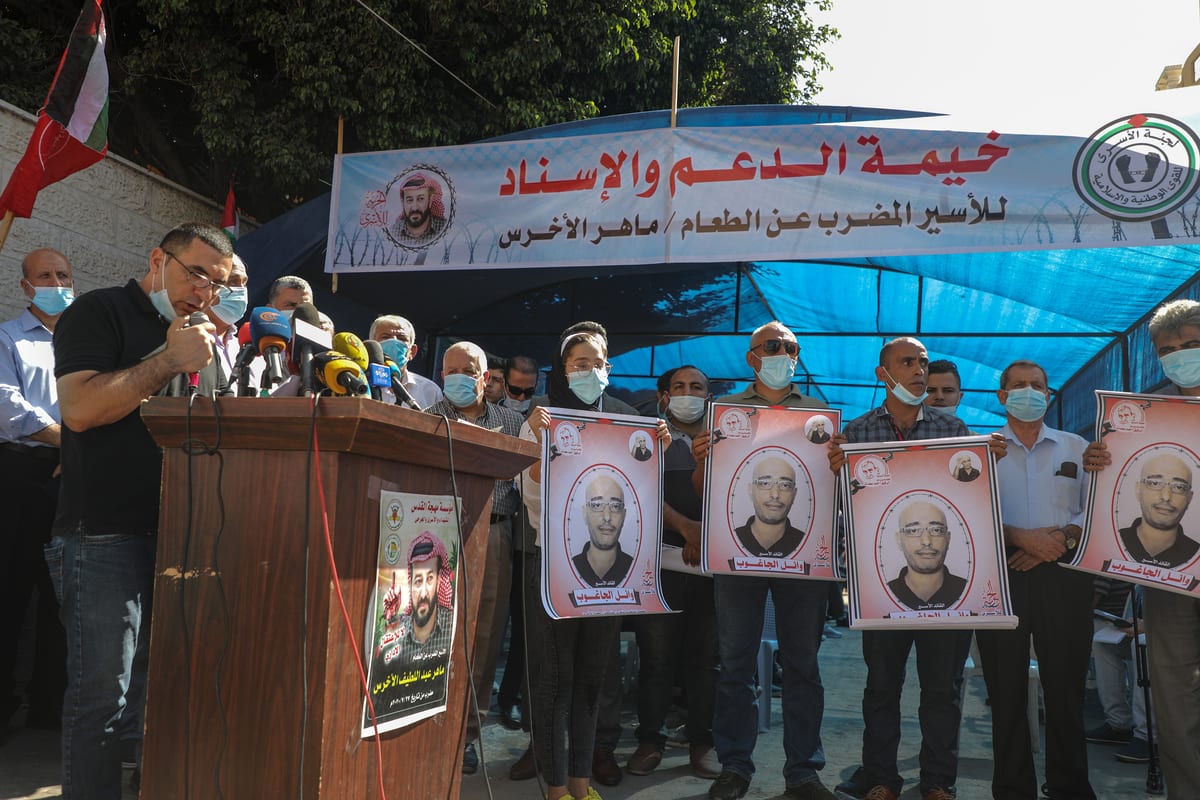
(106, 218)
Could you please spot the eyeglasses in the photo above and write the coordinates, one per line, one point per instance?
(583, 365)
(598, 506)
(772, 347)
(1158, 484)
(518, 391)
(935, 531)
(197, 278)
(766, 484)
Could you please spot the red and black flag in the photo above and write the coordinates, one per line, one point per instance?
(72, 125)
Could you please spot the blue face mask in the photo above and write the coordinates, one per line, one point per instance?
(161, 302)
(52, 300)
(901, 393)
(396, 350)
(776, 372)
(1182, 367)
(1026, 404)
(519, 406)
(588, 386)
(233, 307)
(461, 390)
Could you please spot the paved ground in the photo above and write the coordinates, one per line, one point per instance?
(29, 762)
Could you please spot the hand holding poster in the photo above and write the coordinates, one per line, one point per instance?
(413, 610)
(924, 535)
(1138, 507)
(601, 514)
(768, 491)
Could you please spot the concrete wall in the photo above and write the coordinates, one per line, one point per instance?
(106, 218)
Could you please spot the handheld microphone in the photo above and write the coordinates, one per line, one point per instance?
(402, 394)
(240, 375)
(308, 339)
(193, 378)
(353, 348)
(378, 374)
(270, 333)
(341, 375)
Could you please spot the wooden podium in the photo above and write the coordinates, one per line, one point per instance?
(253, 688)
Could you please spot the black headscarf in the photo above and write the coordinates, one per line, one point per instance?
(558, 389)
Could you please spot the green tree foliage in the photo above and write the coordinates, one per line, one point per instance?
(202, 88)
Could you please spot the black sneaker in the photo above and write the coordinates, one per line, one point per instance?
(728, 786)
(856, 786)
(1107, 734)
(470, 759)
(1135, 751)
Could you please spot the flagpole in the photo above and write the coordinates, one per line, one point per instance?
(5, 227)
(341, 129)
(675, 82)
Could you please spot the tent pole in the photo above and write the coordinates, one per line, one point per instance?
(675, 83)
(5, 227)
(333, 283)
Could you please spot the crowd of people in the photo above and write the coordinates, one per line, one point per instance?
(74, 371)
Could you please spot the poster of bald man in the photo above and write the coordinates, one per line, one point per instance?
(1140, 524)
(924, 546)
(768, 492)
(413, 610)
(601, 514)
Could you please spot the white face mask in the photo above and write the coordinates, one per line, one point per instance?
(162, 303)
(687, 408)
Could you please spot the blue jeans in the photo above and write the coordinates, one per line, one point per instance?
(800, 618)
(106, 585)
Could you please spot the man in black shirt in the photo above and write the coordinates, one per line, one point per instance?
(924, 538)
(1164, 493)
(602, 562)
(114, 348)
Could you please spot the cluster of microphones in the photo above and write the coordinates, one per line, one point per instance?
(341, 364)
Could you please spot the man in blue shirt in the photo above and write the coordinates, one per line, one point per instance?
(1043, 496)
(30, 432)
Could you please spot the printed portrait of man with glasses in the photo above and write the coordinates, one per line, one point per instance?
(772, 489)
(1164, 492)
(925, 583)
(602, 562)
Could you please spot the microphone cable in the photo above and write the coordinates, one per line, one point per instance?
(468, 655)
(193, 447)
(314, 454)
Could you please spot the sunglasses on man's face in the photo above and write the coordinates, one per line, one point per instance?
(517, 391)
(773, 346)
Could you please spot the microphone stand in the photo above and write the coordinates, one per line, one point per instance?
(1154, 776)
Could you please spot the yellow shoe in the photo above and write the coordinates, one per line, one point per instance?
(591, 795)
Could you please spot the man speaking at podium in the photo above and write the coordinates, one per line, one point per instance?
(114, 348)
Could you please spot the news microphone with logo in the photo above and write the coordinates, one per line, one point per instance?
(378, 374)
(270, 333)
(353, 348)
(402, 395)
(338, 373)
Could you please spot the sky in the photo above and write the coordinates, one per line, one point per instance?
(1025, 59)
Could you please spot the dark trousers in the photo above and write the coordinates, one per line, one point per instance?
(512, 685)
(665, 640)
(566, 679)
(1054, 605)
(29, 498)
(489, 626)
(940, 659)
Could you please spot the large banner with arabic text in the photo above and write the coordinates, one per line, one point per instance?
(1138, 521)
(772, 193)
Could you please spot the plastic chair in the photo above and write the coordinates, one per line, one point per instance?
(766, 665)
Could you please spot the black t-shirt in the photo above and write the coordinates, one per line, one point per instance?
(111, 473)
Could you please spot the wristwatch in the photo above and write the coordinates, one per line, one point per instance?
(1072, 533)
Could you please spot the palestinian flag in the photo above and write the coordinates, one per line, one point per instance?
(229, 217)
(72, 126)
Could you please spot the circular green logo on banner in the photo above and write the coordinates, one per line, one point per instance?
(1139, 168)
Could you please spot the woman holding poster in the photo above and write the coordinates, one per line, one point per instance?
(567, 657)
